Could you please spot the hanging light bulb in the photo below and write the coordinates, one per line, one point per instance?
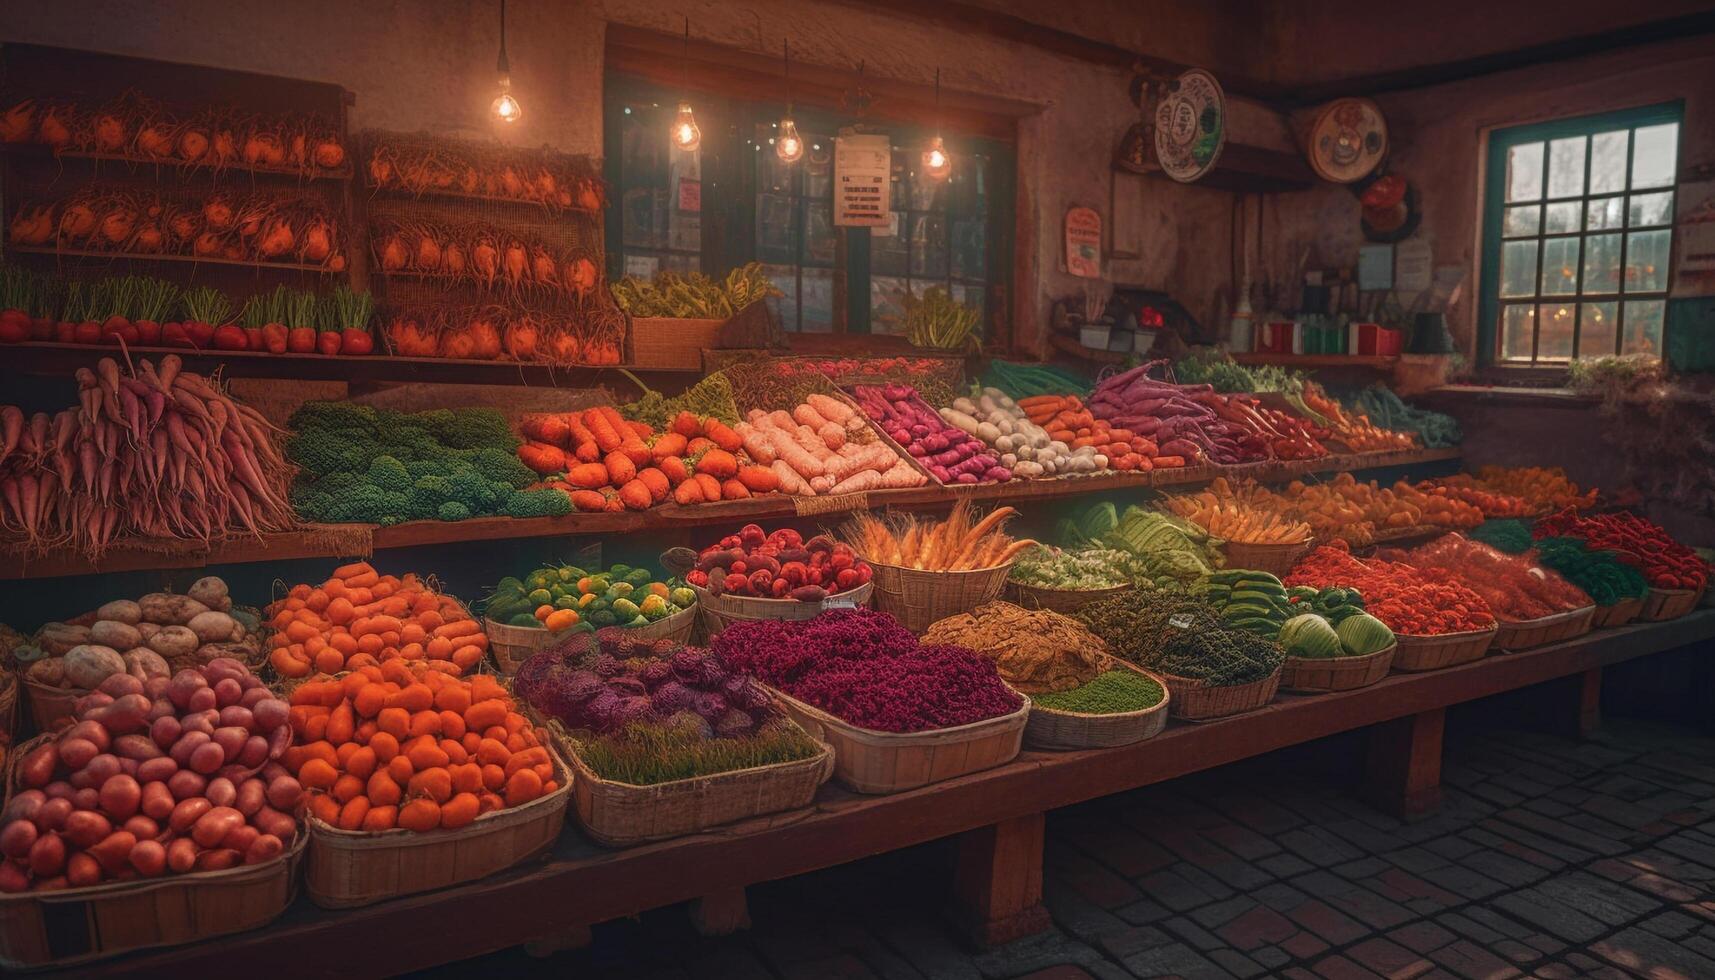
(789, 146)
(505, 106)
(686, 135)
(936, 163)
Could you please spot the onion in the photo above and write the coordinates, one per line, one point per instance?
(277, 240)
(118, 224)
(469, 181)
(486, 260)
(510, 182)
(193, 143)
(182, 225)
(218, 213)
(329, 155)
(543, 268)
(77, 221)
(452, 259)
(148, 239)
(110, 135)
(380, 168)
(53, 129)
(514, 263)
(393, 254)
(17, 123)
(263, 148)
(207, 243)
(318, 241)
(428, 257)
(154, 140)
(222, 149)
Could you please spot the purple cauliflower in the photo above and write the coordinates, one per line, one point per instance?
(709, 705)
(671, 698)
(654, 673)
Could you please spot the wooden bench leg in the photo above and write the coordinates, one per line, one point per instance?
(998, 881)
(573, 937)
(721, 913)
(1403, 770)
(1587, 715)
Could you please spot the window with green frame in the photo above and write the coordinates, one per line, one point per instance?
(733, 201)
(1577, 237)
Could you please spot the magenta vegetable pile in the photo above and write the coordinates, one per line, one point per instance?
(949, 453)
(155, 777)
(865, 668)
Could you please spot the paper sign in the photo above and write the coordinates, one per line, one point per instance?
(1413, 265)
(1375, 267)
(690, 195)
(863, 167)
(1084, 242)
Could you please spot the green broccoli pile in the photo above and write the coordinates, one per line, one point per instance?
(375, 466)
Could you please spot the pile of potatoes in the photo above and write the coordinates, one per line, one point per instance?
(155, 636)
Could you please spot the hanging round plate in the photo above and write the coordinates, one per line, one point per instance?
(1347, 140)
(1190, 125)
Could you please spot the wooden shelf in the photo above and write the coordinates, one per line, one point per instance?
(1309, 361)
(39, 152)
(583, 884)
(1072, 347)
(1248, 169)
(393, 192)
(60, 360)
(167, 257)
(310, 543)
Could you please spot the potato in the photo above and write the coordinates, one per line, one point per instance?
(144, 663)
(211, 592)
(115, 634)
(174, 642)
(50, 672)
(146, 630)
(121, 611)
(168, 609)
(88, 665)
(58, 638)
(215, 627)
(210, 652)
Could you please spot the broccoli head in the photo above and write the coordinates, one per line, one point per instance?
(336, 483)
(537, 503)
(389, 474)
(452, 510)
(474, 428)
(332, 415)
(316, 452)
(472, 489)
(309, 501)
(427, 495)
(503, 466)
(419, 468)
(365, 503)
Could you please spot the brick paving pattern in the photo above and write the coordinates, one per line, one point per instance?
(1549, 858)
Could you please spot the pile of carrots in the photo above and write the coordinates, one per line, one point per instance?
(1493, 503)
(405, 745)
(607, 463)
(1254, 519)
(1068, 420)
(1353, 428)
(359, 618)
(1543, 487)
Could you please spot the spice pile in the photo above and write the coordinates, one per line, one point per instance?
(865, 668)
(1180, 636)
(1666, 563)
(1036, 651)
(1515, 588)
(1406, 599)
(1111, 692)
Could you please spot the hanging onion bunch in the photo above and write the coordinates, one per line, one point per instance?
(493, 332)
(419, 166)
(238, 227)
(491, 259)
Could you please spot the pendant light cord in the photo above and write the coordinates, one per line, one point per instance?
(503, 66)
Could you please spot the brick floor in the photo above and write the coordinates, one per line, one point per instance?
(1549, 858)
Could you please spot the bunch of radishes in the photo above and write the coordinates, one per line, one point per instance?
(155, 777)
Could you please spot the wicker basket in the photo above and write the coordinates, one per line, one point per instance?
(512, 645)
(1618, 614)
(918, 598)
(721, 611)
(50, 707)
(1276, 559)
(1193, 700)
(347, 869)
(1417, 653)
(671, 342)
(875, 762)
(1319, 675)
(10, 687)
(620, 814)
(1524, 634)
(1049, 728)
(1058, 600)
(1663, 604)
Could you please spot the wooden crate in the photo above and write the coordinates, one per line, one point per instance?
(671, 343)
(875, 762)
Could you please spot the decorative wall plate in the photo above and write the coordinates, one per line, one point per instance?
(1190, 125)
(1347, 140)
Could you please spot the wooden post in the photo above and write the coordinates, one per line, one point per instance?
(1403, 770)
(998, 881)
(1588, 707)
(721, 913)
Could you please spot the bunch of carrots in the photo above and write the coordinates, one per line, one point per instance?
(404, 745)
(359, 618)
(1225, 514)
(1352, 428)
(1543, 487)
(1068, 420)
(1493, 503)
(958, 543)
(607, 463)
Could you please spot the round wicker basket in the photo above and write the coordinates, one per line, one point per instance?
(1618, 614)
(1663, 604)
(917, 597)
(512, 645)
(1276, 559)
(1193, 700)
(1058, 600)
(721, 611)
(1050, 728)
(1323, 674)
(1445, 650)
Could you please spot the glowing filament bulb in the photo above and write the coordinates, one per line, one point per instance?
(789, 145)
(686, 135)
(506, 108)
(936, 162)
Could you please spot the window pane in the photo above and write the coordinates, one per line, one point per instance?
(776, 229)
(1643, 327)
(1518, 269)
(1566, 167)
(1608, 162)
(929, 246)
(1604, 213)
(886, 304)
(1522, 221)
(1554, 337)
(817, 301)
(1563, 217)
(970, 250)
(1602, 264)
(1650, 209)
(785, 279)
(1559, 266)
(1654, 150)
(974, 297)
(1646, 260)
(1597, 329)
(821, 238)
(888, 253)
(1517, 323)
(1524, 172)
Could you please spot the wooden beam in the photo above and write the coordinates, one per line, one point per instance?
(998, 881)
(1403, 764)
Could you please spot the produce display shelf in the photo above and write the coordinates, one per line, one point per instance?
(396, 193)
(169, 257)
(1377, 361)
(583, 884)
(58, 360)
(1071, 346)
(37, 151)
(311, 543)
